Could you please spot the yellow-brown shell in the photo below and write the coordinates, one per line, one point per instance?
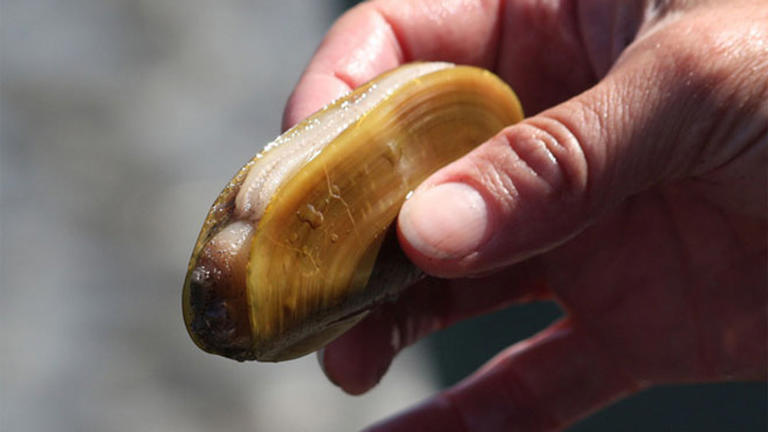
(290, 255)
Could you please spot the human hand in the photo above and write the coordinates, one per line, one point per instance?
(635, 197)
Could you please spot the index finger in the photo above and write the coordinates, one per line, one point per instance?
(380, 35)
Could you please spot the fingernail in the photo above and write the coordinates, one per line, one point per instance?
(447, 221)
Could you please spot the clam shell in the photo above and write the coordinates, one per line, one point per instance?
(299, 246)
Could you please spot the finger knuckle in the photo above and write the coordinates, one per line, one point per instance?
(544, 156)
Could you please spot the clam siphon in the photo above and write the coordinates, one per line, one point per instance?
(298, 247)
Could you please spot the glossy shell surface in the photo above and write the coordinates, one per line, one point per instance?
(298, 246)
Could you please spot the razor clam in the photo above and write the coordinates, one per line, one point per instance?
(298, 247)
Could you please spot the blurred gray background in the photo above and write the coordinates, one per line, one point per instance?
(121, 121)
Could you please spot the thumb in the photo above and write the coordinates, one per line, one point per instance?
(540, 182)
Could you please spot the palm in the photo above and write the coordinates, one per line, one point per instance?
(670, 284)
(670, 287)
